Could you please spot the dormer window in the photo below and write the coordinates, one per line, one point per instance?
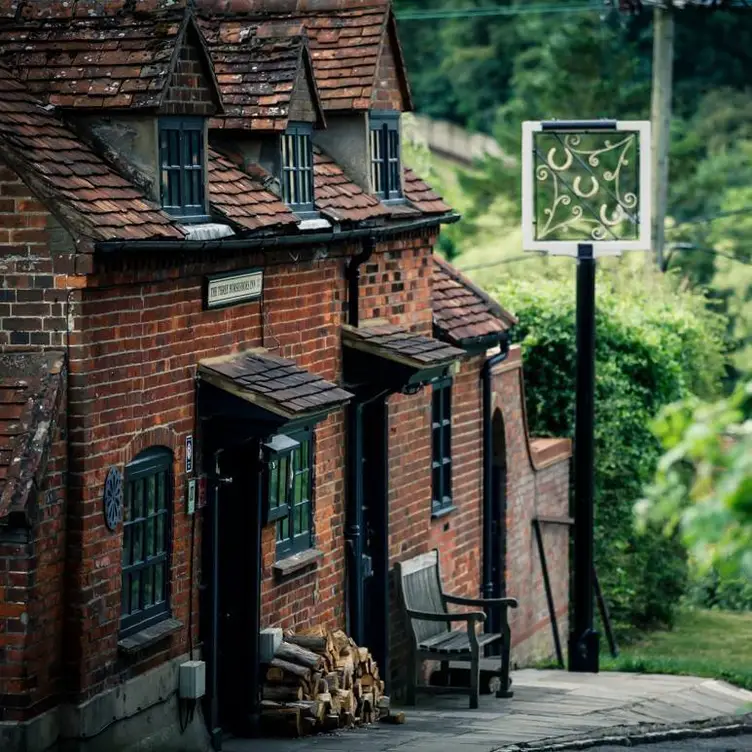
(297, 167)
(182, 162)
(385, 155)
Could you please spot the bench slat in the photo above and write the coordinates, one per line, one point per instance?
(455, 642)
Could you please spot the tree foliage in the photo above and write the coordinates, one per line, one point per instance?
(654, 344)
(703, 486)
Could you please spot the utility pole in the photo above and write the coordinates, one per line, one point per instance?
(660, 116)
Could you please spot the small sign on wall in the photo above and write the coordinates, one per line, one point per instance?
(189, 454)
(230, 289)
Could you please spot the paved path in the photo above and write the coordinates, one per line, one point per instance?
(725, 744)
(546, 705)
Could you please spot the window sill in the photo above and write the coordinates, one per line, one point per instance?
(297, 562)
(150, 636)
(437, 515)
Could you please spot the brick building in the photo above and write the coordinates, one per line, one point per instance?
(236, 385)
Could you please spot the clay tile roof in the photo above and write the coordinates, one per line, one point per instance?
(421, 195)
(122, 62)
(80, 188)
(273, 383)
(31, 385)
(398, 344)
(241, 199)
(257, 69)
(462, 312)
(338, 197)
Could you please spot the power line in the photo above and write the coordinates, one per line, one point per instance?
(437, 14)
(535, 254)
(443, 13)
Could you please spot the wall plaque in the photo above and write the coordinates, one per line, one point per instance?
(230, 289)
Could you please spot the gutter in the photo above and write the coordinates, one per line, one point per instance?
(485, 375)
(276, 241)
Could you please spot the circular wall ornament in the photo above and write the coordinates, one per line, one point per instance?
(113, 498)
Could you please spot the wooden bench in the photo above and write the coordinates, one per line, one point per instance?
(424, 604)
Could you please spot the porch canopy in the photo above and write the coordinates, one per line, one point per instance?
(255, 394)
(391, 358)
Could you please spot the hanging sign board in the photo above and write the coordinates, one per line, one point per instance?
(230, 289)
(586, 182)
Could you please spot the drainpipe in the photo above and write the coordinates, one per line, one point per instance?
(353, 278)
(485, 376)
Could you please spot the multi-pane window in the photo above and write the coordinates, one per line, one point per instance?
(441, 464)
(385, 155)
(290, 479)
(147, 503)
(182, 166)
(297, 167)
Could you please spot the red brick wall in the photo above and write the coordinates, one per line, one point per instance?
(387, 93)
(531, 492)
(33, 301)
(32, 597)
(190, 88)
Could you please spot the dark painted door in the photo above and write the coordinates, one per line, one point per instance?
(375, 518)
(498, 520)
(237, 585)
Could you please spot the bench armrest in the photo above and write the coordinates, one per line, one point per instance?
(468, 616)
(460, 601)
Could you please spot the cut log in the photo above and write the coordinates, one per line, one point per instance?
(398, 718)
(282, 721)
(298, 655)
(321, 686)
(315, 643)
(340, 641)
(383, 704)
(347, 719)
(357, 689)
(293, 669)
(331, 722)
(315, 631)
(326, 700)
(345, 700)
(281, 693)
(367, 680)
(309, 708)
(332, 681)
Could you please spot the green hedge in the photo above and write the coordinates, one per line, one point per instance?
(654, 344)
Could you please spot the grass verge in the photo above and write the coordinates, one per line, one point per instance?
(715, 644)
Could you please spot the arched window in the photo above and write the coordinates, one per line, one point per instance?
(147, 512)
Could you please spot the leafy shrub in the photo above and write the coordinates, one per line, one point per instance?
(712, 590)
(654, 344)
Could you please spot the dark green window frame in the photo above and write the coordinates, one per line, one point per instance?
(290, 496)
(441, 458)
(297, 167)
(385, 155)
(147, 540)
(182, 163)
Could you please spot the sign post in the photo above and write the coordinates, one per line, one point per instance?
(585, 194)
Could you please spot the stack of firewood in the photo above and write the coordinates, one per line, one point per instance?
(321, 681)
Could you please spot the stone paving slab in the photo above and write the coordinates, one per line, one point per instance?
(546, 705)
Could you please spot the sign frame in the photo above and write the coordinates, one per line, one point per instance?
(600, 247)
(238, 299)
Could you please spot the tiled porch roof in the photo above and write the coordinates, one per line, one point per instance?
(31, 385)
(462, 311)
(398, 344)
(273, 383)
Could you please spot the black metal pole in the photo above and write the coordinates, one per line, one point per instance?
(583, 640)
(549, 593)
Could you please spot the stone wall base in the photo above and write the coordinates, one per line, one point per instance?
(140, 715)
